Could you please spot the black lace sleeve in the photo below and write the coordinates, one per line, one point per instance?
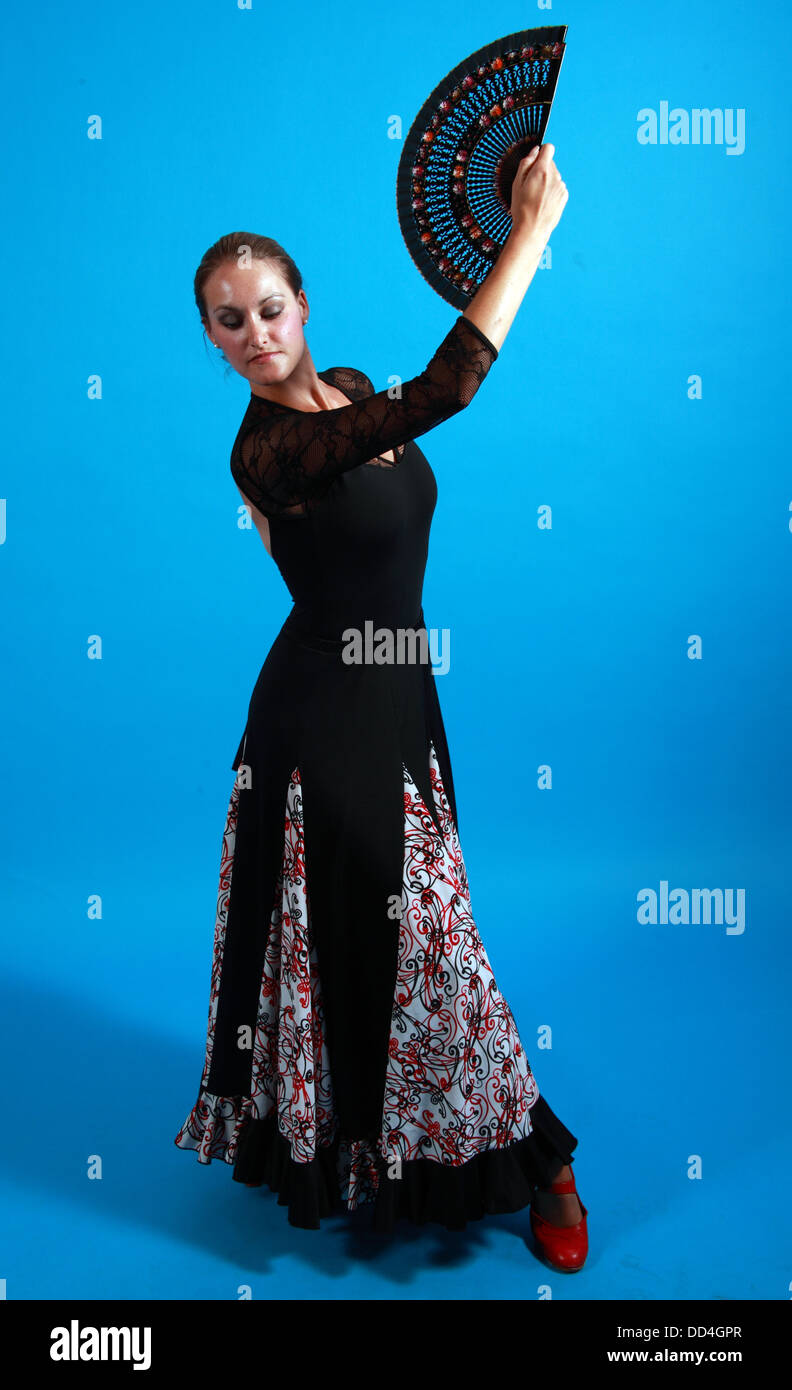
(284, 459)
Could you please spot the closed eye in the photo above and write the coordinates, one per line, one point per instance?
(236, 323)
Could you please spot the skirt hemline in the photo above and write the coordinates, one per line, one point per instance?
(496, 1181)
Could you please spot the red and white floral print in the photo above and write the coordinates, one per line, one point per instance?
(458, 1081)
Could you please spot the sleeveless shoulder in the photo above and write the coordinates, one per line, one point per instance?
(285, 460)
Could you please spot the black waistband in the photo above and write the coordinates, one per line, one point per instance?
(304, 627)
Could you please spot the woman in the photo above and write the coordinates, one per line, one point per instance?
(358, 1048)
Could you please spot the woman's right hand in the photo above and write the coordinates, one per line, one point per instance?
(539, 194)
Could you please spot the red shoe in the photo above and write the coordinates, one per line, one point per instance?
(564, 1247)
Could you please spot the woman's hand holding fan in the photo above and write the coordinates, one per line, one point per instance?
(539, 195)
(476, 135)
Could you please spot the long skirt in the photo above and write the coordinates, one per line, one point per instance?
(358, 1049)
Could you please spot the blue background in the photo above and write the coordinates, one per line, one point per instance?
(568, 646)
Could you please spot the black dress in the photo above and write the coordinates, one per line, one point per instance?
(358, 1047)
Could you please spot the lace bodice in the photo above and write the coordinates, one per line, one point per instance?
(284, 460)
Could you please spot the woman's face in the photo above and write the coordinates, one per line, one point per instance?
(252, 311)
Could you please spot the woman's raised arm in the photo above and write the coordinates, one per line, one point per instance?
(283, 458)
(539, 196)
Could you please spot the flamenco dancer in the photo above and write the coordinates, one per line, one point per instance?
(358, 1048)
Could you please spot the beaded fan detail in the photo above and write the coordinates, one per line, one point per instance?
(460, 157)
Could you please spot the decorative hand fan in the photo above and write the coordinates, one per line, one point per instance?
(457, 167)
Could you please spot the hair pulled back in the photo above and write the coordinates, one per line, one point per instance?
(230, 248)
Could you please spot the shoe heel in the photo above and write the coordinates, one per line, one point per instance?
(563, 1247)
